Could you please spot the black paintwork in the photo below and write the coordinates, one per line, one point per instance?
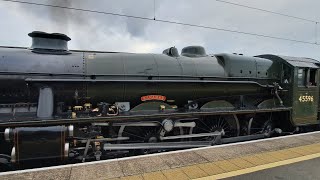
(39, 142)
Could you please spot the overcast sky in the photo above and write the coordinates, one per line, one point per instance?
(111, 33)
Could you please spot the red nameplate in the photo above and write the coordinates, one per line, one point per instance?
(153, 97)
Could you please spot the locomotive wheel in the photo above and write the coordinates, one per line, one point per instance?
(138, 134)
(228, 124)
(261, 123)
(150, 137)
(142, 135)
(4, 163)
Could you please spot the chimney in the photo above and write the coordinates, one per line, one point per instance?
(46, 43)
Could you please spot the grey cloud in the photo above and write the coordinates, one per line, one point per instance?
(112, 33)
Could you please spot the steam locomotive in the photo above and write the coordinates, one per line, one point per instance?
(69, 105)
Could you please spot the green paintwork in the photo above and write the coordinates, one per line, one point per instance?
(129, 66)
(95, 77)
(151, 106)
(304, 112)
(269, 104)
(244, 66)
(218, 105)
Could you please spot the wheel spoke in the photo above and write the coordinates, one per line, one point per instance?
(214, 124)
(208, 130)
(259, 123)
(133, 135)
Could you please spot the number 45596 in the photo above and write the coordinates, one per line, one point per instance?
(306, 98)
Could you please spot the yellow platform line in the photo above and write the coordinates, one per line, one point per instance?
(261, 167)
(236, 166)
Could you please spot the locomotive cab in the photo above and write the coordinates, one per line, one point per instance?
(300, 79)
(305, 94)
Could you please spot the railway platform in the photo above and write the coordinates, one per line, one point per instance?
(244, 160)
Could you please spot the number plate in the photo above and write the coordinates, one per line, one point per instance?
(306, 98)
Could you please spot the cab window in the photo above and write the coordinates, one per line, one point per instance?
(312, 77)
(301, 77)
(286, 74)
(307, 77)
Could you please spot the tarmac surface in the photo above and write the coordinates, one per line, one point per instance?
(216, 162)
(309, 169)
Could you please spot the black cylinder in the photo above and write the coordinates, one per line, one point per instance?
(34, 143)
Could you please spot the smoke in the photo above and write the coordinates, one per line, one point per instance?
(64, 20)
(67, 21)
(89, 31)
(60, 17)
